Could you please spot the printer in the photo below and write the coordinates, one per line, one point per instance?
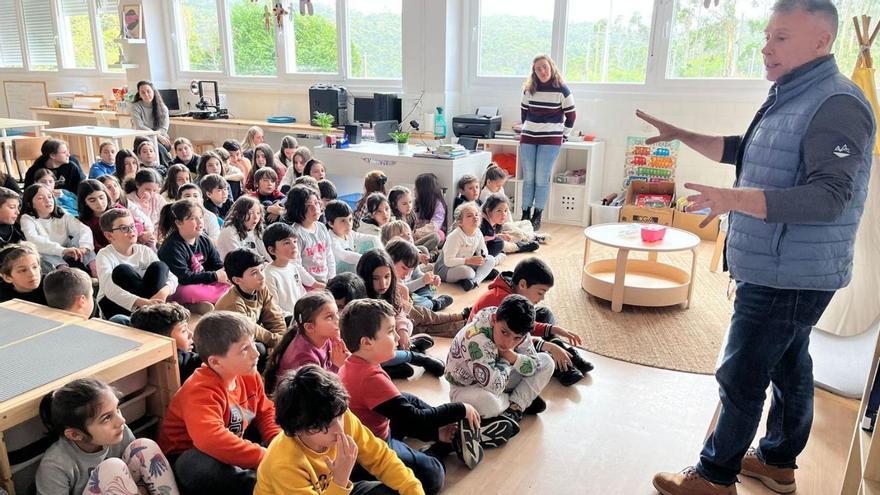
(482, 124)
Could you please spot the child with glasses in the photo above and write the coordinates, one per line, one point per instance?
(130, 275)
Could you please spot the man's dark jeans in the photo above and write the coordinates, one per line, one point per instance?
(768, 343)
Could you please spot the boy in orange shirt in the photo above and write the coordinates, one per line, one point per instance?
(203, 434)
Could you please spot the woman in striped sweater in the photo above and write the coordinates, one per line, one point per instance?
(547, 117)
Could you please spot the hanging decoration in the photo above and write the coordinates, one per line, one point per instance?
(279, 12)
(305, 7)
(267, 18)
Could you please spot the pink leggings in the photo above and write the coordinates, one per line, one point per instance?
(142, 464)
(196, 293)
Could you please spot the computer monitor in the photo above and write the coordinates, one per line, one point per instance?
(382, 130)
(169, 96)
(363, 110)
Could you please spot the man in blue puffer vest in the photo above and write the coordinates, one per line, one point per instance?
(802, 171)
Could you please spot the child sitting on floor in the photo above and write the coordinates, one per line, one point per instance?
(21, 272)
(347, 244)
(130, 275)
(70, 289)
(250, 297)
(313, 338)
(496, 209)
(170, 320)
(215, 189)
(65, 198)
(464, 258)
(10, 206)
(146, 193)
(493, 365)
(106, 163)
(95, 451)
(401, 201)
(243, 228)
(207, 424)
(345, 288)
(430, 207)
(422, 285)
(92, 201)
(521, 230)
(378, 213)
(367, 327)
(191, 256)
(59, 238)
(284, 276)
(323, 441)
(468, 190)
(303, 212)
(532, 279)
(212, 223)
(267, 193)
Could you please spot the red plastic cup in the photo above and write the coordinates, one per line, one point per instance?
(653, 233)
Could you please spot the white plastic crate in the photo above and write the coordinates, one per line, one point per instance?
(568, 204)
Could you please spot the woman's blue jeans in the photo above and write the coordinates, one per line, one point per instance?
(536, 162)
(768, 343)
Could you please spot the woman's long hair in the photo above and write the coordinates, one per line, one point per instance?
(160, 111)
(531, 84)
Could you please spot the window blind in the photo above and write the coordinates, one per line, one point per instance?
(10, 40)
(40, 34)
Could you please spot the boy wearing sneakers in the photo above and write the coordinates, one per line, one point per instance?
(532, 278)
(203, 433)
(368, 330)
(493, 365)
(323, 442)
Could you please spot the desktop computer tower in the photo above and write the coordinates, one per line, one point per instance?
(330, 99)
(386, 106)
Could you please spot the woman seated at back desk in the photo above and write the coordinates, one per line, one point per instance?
(150, 113)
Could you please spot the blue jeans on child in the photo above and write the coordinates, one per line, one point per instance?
(768, 343)
(536, 162)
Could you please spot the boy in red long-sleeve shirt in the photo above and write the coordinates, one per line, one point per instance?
(532, 278)
(203, 433)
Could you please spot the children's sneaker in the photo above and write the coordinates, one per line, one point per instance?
(526, 246)
(466, 312)
(492, 276)
(399, 371)
(421, 342)
(467, 284)
(542, 237)
(467, 444)
(689, 482)
(497, 431)
(568, 377)
(780, 480)
(442, 302)
(577, 360)
(431, 364)
(536, 407)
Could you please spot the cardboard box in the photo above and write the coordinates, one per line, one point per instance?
(691, 222)
(632, 213)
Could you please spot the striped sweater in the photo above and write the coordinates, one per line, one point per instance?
(547, 115)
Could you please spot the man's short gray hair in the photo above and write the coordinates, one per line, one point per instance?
(823, 8)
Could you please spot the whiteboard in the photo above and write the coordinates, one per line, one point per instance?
(22, 95)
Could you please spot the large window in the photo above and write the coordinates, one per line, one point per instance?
(77, 45)
(722, 41)
(607, 41)
(253, 39)
(314, 47)
(108, 28)
(512, 32)
(10, 40)
(375, 34)
(40, 32)
(199, 37)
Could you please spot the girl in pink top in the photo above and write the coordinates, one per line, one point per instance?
(313, 338)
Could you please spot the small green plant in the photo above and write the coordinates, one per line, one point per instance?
(324, 121)
(399, 137)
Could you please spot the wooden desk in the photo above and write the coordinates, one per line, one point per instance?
(92, 132)
(96, 116)
(240, 126)
(155, 353)
(6, 124)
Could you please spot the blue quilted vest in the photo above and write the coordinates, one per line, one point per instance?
(816, 256)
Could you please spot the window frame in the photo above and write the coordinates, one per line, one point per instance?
(281, 78)
(655, 83)
(63, 55)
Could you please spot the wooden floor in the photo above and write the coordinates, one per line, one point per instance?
(610, 433)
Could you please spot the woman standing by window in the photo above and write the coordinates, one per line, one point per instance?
(150, 113)
(547, 118)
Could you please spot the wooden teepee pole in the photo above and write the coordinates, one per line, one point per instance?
(862, 29)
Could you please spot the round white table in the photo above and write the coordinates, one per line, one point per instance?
(633, 281)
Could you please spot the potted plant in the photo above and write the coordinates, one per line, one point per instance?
(325, 122)
(401, 138)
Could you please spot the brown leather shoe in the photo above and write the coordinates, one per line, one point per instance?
(689, 482)
(780, 480)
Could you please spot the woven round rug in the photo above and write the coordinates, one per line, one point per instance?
(669, 337)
